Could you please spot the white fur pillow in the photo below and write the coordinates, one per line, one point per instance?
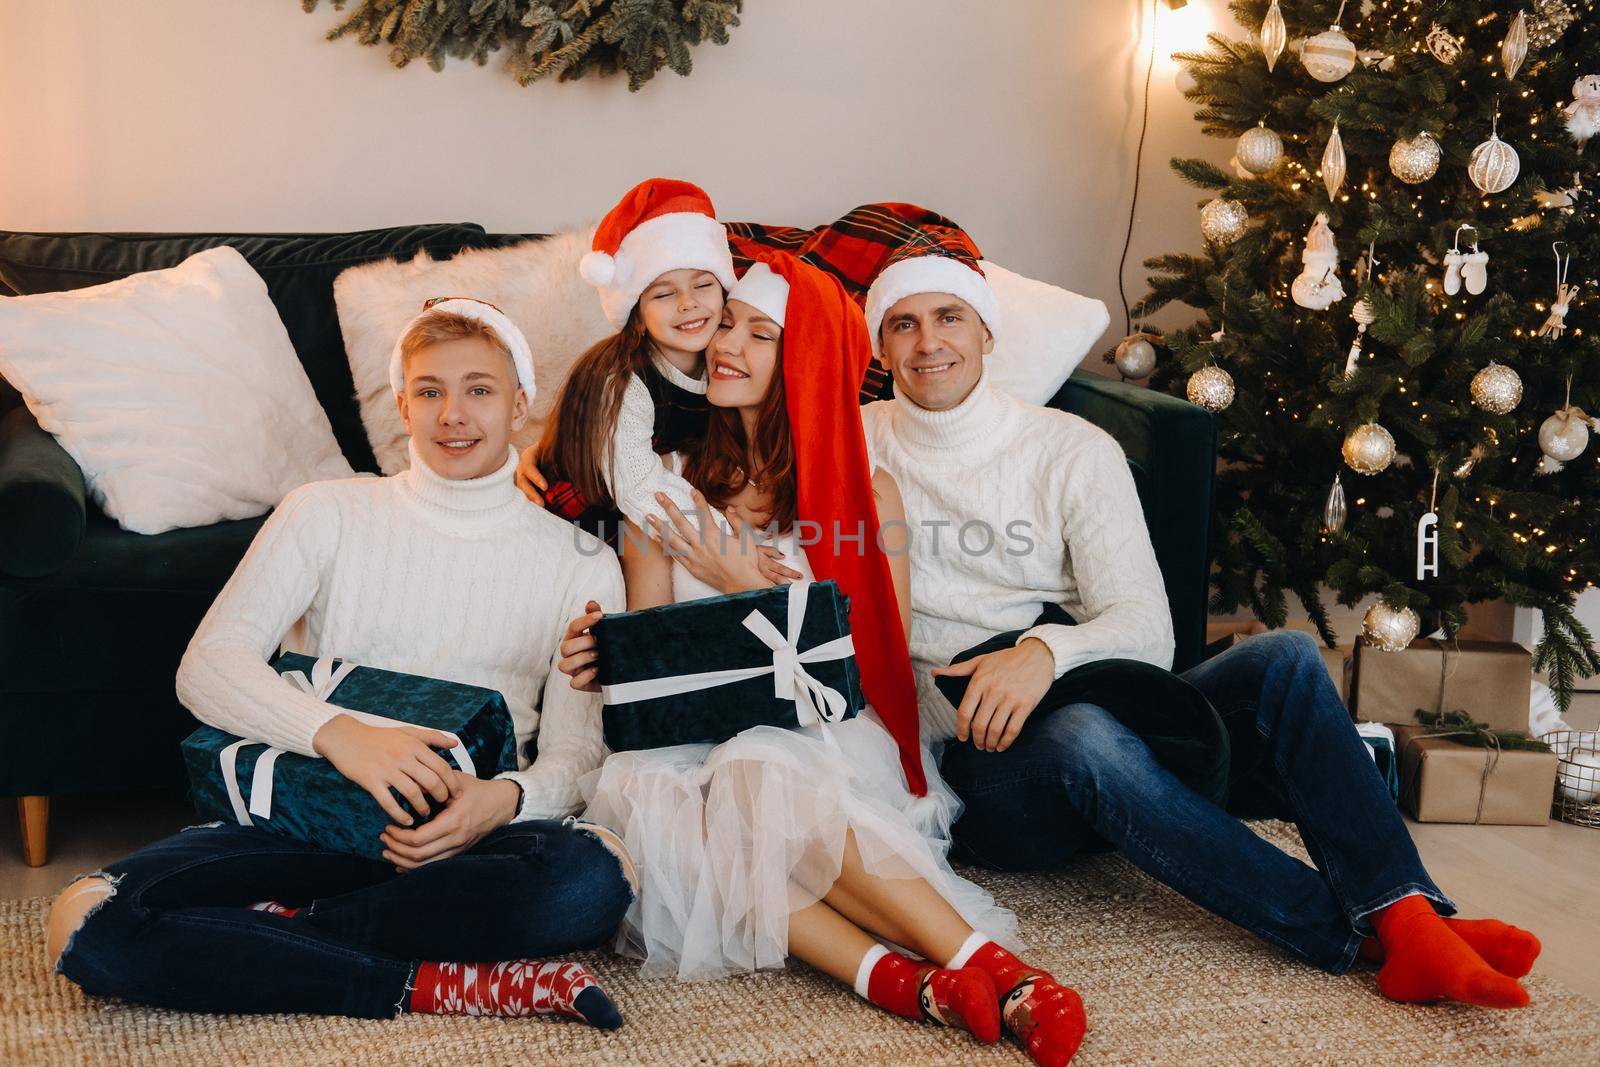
(177, 391)
(535, 282)
(1045, 331)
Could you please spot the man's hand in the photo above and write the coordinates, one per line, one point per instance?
(723, 561)
(475, 808)
(529, 478)
(1004, 689)
(378, 758)
(580, 659)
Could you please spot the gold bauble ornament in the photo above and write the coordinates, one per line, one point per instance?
(1329, 55)
(1369, 448)
(1497, 389)
(1223, 221)
(1136, 356)
(1564, 435)
(1416, 159)
(1390, 628)
(1259, 150)
(1211, 388)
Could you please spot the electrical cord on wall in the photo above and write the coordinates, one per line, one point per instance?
(1138, 166)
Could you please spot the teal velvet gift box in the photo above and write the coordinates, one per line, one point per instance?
(705, 670)
(248, 782)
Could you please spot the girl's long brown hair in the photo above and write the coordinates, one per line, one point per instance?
(725, 461)
(577, 439)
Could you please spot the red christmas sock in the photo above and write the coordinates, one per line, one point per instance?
(1046, 1016)
(512, 988)
(1425, 960)
(1509, 949)
(912, 989)
(272, 907)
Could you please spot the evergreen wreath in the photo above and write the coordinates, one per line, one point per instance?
(565, 38)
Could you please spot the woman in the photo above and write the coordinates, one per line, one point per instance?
(784, 842)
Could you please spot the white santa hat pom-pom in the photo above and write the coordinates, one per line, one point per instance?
(598, 269)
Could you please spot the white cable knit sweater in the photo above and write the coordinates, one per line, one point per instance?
(637, 473)
(996, 461)
(460, 580)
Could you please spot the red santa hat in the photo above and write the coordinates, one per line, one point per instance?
(468, 307)
(661, 224)
(825, 356)
(946, 262)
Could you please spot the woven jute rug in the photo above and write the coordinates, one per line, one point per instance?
(1163, 982)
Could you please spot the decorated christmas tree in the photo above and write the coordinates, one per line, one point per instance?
(1399, 300)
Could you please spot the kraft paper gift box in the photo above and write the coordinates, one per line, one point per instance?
(251, 783)
(1442, 780)
(706, 670)
(1491, 681)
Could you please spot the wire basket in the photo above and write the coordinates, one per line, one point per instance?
(1577, 795)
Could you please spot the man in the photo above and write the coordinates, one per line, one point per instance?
(1043, 779)
(442, 571)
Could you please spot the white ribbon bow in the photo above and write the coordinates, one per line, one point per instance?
(325, 678)
(814, 703)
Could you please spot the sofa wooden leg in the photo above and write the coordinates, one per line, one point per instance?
(35, 815)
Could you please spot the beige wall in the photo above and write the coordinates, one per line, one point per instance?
(1016, 117)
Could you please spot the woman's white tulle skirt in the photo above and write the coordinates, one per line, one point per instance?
(729, 839)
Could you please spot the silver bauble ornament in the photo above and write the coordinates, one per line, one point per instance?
(1445, 46)
(1514, 49)
(1136, 356)
(1259, 150)
(1333, 163)
(1369, 448)
(1564, 435)
(1390, 628)
(1211, 388)
(1334, 512)
(1274, 35)
(1549, 21)
(1493, 166)
(1223, 221)
(1497, 389)
(1414, 160)
(1329, 55)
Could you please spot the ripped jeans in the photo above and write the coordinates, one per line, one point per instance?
(178, 931)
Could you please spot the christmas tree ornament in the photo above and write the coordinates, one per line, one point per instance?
(1555, 324)
(1514, 49)
(1333, 163)
(1444, 45)
(1428, 535)
(1369, 449)
(1494, 164)
(1497, 389)
(1211, 387)
(1548, 22)
(1470, 462)
(1136, 356)
(1329, 55)
(1363, 314)
(1562, 438)
(1259, 149)
(1318, 285)
(1222, 221)
(1334, 511)
(1457, 264)
(1390, 628)
(1583, 114)
(1274, 35)
(1415, 159)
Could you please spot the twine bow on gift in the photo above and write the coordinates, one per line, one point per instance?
(814, 702)
(1491, 759)
(324, 679)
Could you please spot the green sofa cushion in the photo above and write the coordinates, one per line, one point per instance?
(298, 268)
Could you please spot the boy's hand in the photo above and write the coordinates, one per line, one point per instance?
(380, 758)
(1005, 688)
(529, 478)
(476, 807)
(580, 659)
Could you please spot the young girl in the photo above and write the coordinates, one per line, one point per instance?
(783, 842)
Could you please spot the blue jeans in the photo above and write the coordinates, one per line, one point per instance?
(178, 932)
(1075, 778)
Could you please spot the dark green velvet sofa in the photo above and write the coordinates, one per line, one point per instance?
(93, 619)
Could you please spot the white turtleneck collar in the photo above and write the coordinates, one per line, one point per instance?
(464, 502)
(970, 423)
(676, 376)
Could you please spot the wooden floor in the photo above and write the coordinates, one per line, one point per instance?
(1544, 878)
